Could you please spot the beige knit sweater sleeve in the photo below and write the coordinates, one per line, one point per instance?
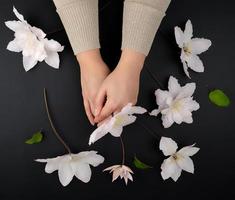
(141, 19)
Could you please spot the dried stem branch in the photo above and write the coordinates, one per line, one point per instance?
(52, 124)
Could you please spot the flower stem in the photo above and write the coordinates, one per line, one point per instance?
(123, 151)
(150, 131)
(52, 124)
(154, 78)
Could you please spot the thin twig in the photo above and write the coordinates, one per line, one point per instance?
(55, 31)
(52, 125)
(105, 6)
(154, 78)
(150, 131)
(123, 151)
(167, 37)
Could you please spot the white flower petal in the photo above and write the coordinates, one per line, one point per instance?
(126, 109)
(52, 45)
(130, 110)
(111, 168)
(65, 173)
(29, 62)
(192, 105)
(188, 150)
(83, 172)
(179, 37)
(39, 52)
(100, 132)
(52, 166)
(167, 120)
(14, 25)
(169, 168)
(116, 173)
(161, 96)
(177, 117)
(188, 120)
(52, 163)
(185, 163)
(185, 66)
(127, 177)
(129, 119)
(38, 32)
(168, 146)
(195, 63)
(128, 169)
(173, 86)
(13, 46)
(93, 158)
(176, 174)
(199, 45)
(53, 59)
(18, 15)
(137, 110)
(188, 32)
(155, 112)
(116, 131)
(90, 157)
(186, 91)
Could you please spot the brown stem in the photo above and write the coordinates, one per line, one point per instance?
(123, 151)
(154, 78)
(150, 131)
(51, 123)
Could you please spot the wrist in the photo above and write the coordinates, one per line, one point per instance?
(131, 61)
(89, 57)
(91, 60)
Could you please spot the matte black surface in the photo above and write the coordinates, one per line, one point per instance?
(22, 111)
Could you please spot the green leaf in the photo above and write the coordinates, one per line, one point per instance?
(219, 98)
(140, 165)
(35, 139)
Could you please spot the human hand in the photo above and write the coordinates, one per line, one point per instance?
(93, 73)
(120, 87)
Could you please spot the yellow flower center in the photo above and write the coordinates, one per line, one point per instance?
(176, 106)
(118, 120)
(174, 156)
(187, 49)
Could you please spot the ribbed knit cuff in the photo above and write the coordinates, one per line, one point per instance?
(140, 24)
(80, 19)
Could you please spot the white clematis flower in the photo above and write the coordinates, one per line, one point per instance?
(115, 124)
(191, 48)
(71, 165)
(32, 43)
(121, 171)
(178, 161)
(177, 104)
(51, 48)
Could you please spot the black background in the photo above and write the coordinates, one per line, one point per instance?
(22, 110)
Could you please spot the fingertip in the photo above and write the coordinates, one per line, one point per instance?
(88, 112)
(96, 119)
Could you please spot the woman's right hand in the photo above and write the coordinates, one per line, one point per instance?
(93, 72)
